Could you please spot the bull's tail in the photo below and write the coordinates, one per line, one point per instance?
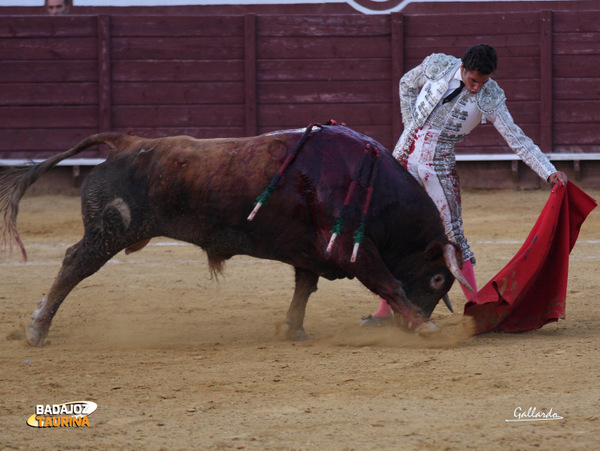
(14, 181)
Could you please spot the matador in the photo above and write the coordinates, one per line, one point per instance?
(442, 100)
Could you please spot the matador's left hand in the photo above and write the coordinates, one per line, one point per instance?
(559, 178)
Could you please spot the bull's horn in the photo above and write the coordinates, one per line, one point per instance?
(448, 303)
(452, 263)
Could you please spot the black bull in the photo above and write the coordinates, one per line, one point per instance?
(202, 191)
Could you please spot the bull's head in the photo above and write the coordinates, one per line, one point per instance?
(428, 277)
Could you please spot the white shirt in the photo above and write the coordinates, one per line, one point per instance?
(452, 84)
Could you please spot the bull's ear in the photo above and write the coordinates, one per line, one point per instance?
(434, 251)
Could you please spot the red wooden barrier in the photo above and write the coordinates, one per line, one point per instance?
(63, 78)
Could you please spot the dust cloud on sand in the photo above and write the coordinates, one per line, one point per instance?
(175, 359)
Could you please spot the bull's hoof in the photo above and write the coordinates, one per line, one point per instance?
(426, 328)
(35, 337)
(298, 335)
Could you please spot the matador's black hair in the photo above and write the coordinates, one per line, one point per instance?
(482, 58)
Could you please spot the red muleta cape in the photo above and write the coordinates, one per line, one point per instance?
(531, 289)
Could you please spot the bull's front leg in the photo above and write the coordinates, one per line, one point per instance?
(306, 284)
(375, 275)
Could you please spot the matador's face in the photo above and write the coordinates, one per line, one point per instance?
(473, 79)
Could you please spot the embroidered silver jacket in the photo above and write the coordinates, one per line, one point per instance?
(421, 90)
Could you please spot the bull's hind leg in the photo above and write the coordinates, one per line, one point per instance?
(81, 261)
(306, 284)
(106, 233)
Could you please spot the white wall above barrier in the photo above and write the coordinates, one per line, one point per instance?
(364, 6)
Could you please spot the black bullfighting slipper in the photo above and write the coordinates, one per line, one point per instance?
(377, 321)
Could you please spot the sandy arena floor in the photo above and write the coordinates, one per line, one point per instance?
(175, 360)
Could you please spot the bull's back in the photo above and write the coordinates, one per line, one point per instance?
(202, 191)
(175, 172)
(189, 189)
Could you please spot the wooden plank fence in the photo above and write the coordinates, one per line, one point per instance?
(63, 78)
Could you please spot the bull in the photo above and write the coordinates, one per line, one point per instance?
(202, 190)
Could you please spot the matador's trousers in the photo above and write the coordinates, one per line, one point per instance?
(433, 164)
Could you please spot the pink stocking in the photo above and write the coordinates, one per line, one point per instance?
(384, 310)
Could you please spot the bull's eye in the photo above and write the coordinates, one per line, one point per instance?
(437, 281)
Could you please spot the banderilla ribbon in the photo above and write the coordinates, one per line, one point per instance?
(268, 191)
(339, 223)
(360, 232)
